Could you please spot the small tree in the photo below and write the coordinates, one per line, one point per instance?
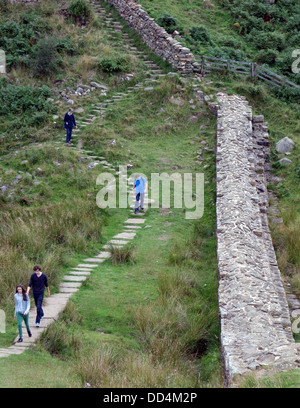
(45, 59)
(79, 10)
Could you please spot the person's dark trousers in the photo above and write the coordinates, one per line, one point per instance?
(69, 134)
(38, 300)
(137, 202)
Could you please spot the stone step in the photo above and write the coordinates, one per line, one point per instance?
(117, 241)
(74, 278)
(87, 265)
(103, 254)
(94, 260)
(135, 221)
(125, 235)
(76, 273)
(69, 285)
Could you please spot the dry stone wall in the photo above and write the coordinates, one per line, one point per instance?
(254, 314)
(25, 1)
(156, 37)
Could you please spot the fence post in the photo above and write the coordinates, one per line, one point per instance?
(253, 70)
(228, 65)
(202, 65)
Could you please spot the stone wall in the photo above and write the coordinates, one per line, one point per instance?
(25, 1)
(157, 39)
(254, 314)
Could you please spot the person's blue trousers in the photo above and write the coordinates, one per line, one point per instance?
(69, 134)
(38, 300)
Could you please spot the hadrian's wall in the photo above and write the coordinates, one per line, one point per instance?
(156, 37)
(24, 1)
(254, 314)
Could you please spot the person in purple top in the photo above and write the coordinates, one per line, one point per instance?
(22, 307)
(38, 282)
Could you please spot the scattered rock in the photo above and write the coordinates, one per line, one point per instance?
(285, 145)
(176, 101)
(96, 85)
(285, 161)
(79, 110)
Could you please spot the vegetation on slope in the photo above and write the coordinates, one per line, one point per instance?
(251, 30)
(150, 322)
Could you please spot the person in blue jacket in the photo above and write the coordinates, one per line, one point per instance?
(70, 122)
(22, 307)
(140, 188)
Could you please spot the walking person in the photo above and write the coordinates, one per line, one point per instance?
(70, 122)
(140, 188)
(38, 282)
(22, 307)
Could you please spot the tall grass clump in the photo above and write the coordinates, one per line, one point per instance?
(286, 238)
(59, 341)
(122, 255)
(44, 236)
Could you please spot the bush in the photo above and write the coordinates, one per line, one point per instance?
(19, 35)
(114, 64)
(169, 23)
(200, 34)
(267, 40)
(45, 60)
(23, 100)
(79, 9)
(266, 57)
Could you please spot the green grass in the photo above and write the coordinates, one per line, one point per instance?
(131, 297)
(32, 369)
(152, 322)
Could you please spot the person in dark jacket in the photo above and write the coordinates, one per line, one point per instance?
(69, 124)
(38, 282)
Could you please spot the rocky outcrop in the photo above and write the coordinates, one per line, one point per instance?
(156, 37)
(255, 320)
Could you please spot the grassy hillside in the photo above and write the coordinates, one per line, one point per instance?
(152, 321)
(209, 28)
(251, 30)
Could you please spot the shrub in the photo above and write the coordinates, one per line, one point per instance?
(23, 100)
(267, 56)
(267, 40)
(79, 9)
(114, 64)
(200, 34)
(169, 23)
(45, 60)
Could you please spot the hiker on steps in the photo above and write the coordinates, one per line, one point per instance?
(22, 307)
(140, 188)
(69, 124)
(38, 282)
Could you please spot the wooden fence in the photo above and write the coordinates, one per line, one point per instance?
(255, 71)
